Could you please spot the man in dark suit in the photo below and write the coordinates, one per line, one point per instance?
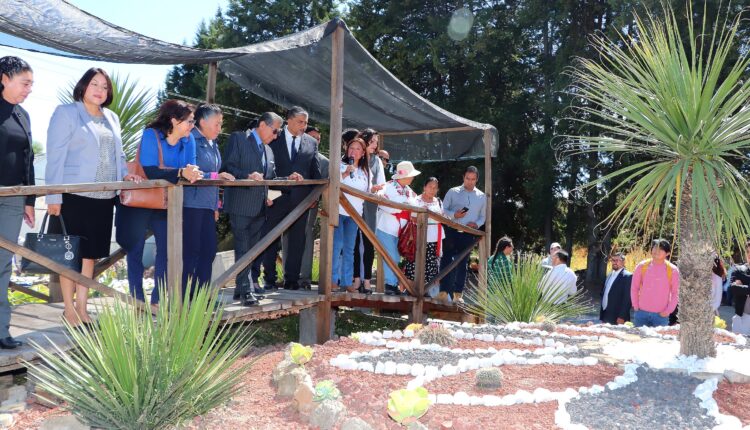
(305, 274)
(615, 307)
(294, 152)
(248, 156)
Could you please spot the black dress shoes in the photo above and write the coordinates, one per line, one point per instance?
(291, 285)
(9, 343)
(392, 290)
(250, 299)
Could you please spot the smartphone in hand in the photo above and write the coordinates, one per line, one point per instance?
(464, 210)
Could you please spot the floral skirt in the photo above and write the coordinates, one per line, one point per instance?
(433, 264)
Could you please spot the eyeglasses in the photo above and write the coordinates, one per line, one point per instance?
(387, 160)
(189, 121)
(275, 131)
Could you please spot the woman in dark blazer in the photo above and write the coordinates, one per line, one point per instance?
(170, 131)
(16, 168)
(84, 145)
(202, 203)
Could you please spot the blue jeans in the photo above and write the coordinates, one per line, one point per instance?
(390, 243)
(343, 251)
(649, 319)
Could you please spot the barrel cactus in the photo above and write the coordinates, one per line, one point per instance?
(549, 326)
(489, 378)
(437, 334)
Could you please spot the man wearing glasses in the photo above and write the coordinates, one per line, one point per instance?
(248, 156)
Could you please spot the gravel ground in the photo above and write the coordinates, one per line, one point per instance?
(658, 400)
(422, 356)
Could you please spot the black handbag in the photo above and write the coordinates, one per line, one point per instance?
(63, 249)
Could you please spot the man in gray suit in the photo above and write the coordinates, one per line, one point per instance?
(248, 156)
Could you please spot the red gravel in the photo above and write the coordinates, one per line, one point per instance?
(516, 377)
(365, 395)
(733, 399)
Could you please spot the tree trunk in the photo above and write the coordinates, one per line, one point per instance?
(695, 262)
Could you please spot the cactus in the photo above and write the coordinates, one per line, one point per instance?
(489, 378)
(549, 326)
(300, 354)
(326, 390)
(436, 333)
(407, 406)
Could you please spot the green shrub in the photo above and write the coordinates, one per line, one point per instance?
(138, 371)
(519, 297)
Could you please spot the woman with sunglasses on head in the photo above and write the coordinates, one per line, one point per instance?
(84, 145)
(355, 172)
(167, 151)
(364, 252)
(16, 168)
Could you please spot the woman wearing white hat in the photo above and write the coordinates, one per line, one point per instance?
(391, 220)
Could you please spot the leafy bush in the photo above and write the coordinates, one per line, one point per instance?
(326, 390)
(407, 406)
(519, 297)
(138, 371)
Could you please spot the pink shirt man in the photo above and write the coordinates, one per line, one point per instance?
(655, 294)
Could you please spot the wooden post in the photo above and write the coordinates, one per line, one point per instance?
(334, 177)
(485, 243)
(420, 265)
(174, 242)
(55, 290)
(211, 83)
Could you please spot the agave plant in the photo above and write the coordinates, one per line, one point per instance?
(135, 106)
(134, 371)
(524, 296)
(678, 101)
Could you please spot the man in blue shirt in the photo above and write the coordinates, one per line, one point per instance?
(466, 205)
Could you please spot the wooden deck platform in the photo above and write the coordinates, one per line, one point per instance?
(41, 322)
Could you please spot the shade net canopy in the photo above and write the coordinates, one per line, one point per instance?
(296, 70)
(293, 70)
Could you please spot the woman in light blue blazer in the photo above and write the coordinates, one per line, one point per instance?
(84, 145)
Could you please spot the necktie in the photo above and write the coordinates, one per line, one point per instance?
(294, 148)
(262, 156)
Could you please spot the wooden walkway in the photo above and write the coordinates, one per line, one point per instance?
(42, 322)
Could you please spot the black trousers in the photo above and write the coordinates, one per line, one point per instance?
(364, 255)
(247, 232)
(739, 296)
(293, 257)
(455, 242)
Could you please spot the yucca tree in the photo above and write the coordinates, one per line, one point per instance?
(679, 102)
(135, 106)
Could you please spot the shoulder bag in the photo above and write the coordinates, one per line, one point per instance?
(148, 198)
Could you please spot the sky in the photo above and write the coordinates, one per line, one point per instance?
(173, 21)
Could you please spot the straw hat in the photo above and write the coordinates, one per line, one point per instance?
(405, 169)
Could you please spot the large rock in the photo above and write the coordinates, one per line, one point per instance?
(66, 422)
(289, 382)
(6, 420)
(355, 423)
(327, 414)
(283, 367)
(736, 377)
(303, 398)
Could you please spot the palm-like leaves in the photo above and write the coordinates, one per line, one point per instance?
(135, 107)
(138, 372)
(524, 296)
(683, 109)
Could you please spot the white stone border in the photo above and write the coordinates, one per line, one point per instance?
(705, 393)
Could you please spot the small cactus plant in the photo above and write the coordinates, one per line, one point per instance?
(437, 334)
(489, 378)
(300, 354)
(326, 390)
(549, 326)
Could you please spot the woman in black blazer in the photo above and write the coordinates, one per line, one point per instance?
(16, 168)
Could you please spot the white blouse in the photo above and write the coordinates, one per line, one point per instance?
(433, 226)
(359, 180)
(393, 191)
